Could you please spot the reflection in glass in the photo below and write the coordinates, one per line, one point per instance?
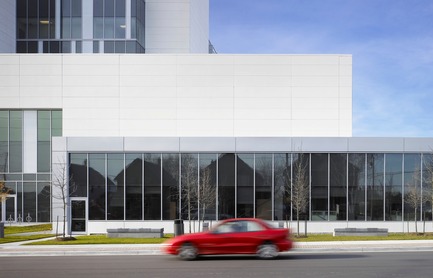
(4, 140)
(226, 186)
(16, 138)
(78, 175)
(282, 180)
(115, 187)
(207, 187)
(375, 183)
(245, 185)
(189, 186)
(152, 186)
(338, 186)
(134, 187)
(170, 186)
(319, 187)
(356, 187)
(97, 191)
(427, 178)
(44, 208)
(393, 186)
(29, 201)
(263, 186)
(412, 186)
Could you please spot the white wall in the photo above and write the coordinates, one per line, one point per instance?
(8, 20)
(177, 26)
(186, 94)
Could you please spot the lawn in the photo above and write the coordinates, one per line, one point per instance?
(27, 229)
(12, 233)
(103, 239)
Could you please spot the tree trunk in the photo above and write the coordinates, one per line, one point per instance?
(297, 220)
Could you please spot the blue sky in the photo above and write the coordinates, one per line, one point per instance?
(391, 42)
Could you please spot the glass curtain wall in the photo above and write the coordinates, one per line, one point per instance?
(211, 186)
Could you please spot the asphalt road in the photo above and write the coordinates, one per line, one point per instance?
(378, 264)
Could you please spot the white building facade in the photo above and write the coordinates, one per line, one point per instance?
(131, 122)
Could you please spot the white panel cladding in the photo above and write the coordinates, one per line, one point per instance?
(7, 18)
(30, 141)
(182, 95)
(243, 144)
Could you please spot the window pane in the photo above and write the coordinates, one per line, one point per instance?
(109, 27)
(152, 186)
(120, 8)
(16, 144)
(66, 47)
(120, 28)
(226, 186)
(76, 8)
(245, 185)
(29, 200)
(427, 175)
(319, 186)
(375, 180)
(338, 186)
(300, 186)
(189, 179)
(412, 186)
(44, 139)
(56, 123)
(44, 200)
(98, 27)
(170, 186)
(66, 28)
(97, 187)
(119, 47)
(4, 140)
(115, 187)
(78, 175)
(263, 179)
(356, 189)
(108, 46)
(76, 27)
(66, 7)
(393, 187)
(134, 187)
(32, 47)
(109, 8)
(282, 180)
(207, 187)
(98, 8)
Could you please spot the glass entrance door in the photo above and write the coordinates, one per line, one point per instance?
(78, 216)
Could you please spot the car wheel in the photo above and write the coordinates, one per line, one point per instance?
(187, 252)
(267, 250)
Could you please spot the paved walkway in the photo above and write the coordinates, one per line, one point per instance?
(17, 249)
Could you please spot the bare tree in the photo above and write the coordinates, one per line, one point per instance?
(189, 186)
(428, 179)
(299, 188)
(415, 196)
(207, 192)
(64, 186)
(4, 193)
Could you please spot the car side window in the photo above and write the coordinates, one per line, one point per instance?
(254, 227)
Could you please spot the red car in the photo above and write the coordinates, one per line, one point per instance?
(232, 236)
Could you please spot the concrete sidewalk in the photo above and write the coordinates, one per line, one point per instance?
(17, 249)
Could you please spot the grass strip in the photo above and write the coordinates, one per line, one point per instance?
(391, 236)
(102, 239)
(27, 229)
(14, 238)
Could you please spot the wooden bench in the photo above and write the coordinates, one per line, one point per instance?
(360, 232)
(135, 233)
